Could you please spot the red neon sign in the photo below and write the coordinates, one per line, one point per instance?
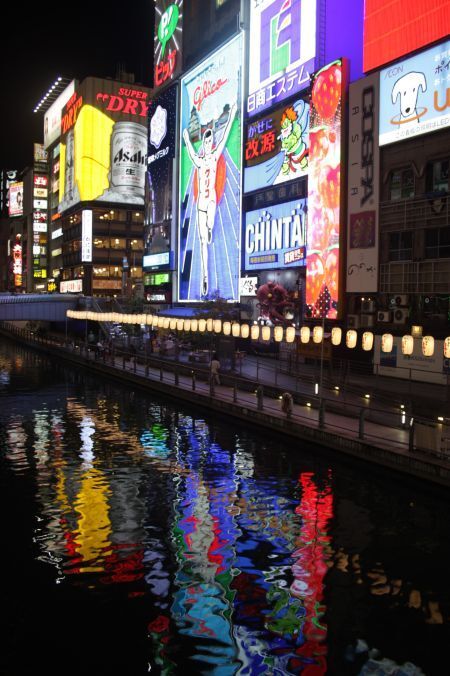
(395, 28)
(126, 101)
(165, 68)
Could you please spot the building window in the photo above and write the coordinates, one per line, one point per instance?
(401, 185)
(437, 176)
(101, 243)
(118, 243)
(437, 243)
(400, 246)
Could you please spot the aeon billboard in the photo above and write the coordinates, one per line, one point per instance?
(282, 50)
(415, 95)
(210, 176)
(276, 146)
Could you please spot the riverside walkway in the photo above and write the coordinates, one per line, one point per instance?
(385, 435)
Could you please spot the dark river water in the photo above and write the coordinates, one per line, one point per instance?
(143, 536)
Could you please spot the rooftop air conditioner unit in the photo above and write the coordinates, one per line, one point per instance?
(400, 300)
(368, 306)
(400, 315)
(352, 321)
(384, 316)
(367, 320)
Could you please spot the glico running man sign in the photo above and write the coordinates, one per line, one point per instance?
(210, 176)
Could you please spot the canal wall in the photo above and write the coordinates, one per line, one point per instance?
(413, 463)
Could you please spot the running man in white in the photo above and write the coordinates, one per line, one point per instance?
(206, 163)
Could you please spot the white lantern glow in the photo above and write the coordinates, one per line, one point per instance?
(336, 335)
(351, 338)
(180, 324)
(428, 346)
(407, 344)
(226, 328)
(194, 325)
(255, 332)
(290, 334)
(278, 334)
(317, 334)
(172, 324)
(245, 331)
(305, 334)
(209, 324)
(236, 330)
(265, 333)
(217, 324)
(447, 348)
(187, 324)
(201, 325)
(367, 341)
(166, 322)
(149, 320)
(387, 342)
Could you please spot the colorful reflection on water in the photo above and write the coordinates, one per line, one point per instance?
(237, 554)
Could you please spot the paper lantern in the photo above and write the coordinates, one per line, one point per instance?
(155, 321)
(336, 335)
(255, 332)
(387, 342)
(317, 334)
(447, 348)
(351, 338)
(407, 344)
(245, 331)
(201, 325)
(428, 346)
(226, 328)
(305, 334)
(278, 334)
(290, 334)
(209, 324)
(166, 322)
(367, 341)
(265, 333)
(217, 324)
(236, 329)
(194, 325)
(172, 324)
(187, 324)
(416, 331)
(180, 324)
(149, 320)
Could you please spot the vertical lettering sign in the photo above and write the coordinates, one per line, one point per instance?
(275, 237)
(210, 176)
(86, 236)
(276, 146)
(282, 50)
(363, 186)
(168, 41)
(415, 95)
(324, 193)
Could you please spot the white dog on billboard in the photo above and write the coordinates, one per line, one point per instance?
(406, 90)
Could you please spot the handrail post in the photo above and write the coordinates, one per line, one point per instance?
(411, 435)
(362, 415)
(322, 414)
(260, 397)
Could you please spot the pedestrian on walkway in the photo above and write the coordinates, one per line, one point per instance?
(287, 403)
(214, 369)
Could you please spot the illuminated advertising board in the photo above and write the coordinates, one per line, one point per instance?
(17, 259)
(40, 154)
(86, 236)
(103, 150)
(7, 177)
(282, 50)
(395, 28)
(275, 237)
(363, 186)
(210, 176)
(161, 151)
(415, 95)
(71, 286)
(16, 199)
(168, 41)
(157, 260)
(276, 146)
(248, 286)
(324, 192)
(52, 118)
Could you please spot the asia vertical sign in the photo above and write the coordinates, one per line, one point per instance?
(324, 192)
(168, 41)
(210, 176)
(363, 186)
(282, 50)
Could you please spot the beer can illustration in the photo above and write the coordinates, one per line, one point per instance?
(128, 158)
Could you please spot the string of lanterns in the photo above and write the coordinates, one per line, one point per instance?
(265, 333)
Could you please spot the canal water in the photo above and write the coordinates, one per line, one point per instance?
(143, 536)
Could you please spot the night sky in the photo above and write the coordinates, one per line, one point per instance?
(68, 39)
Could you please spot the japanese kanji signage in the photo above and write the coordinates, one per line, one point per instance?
(276, 146)
(282, 50)
(415, 95)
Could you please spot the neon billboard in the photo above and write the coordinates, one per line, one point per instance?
(168, 40)
(282, 50)
(210, 176)
(276, 146)
(15, 207)
(324, 193)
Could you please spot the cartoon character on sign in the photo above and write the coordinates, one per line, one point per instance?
(206, 163)
(406, 91)
(292, 144)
